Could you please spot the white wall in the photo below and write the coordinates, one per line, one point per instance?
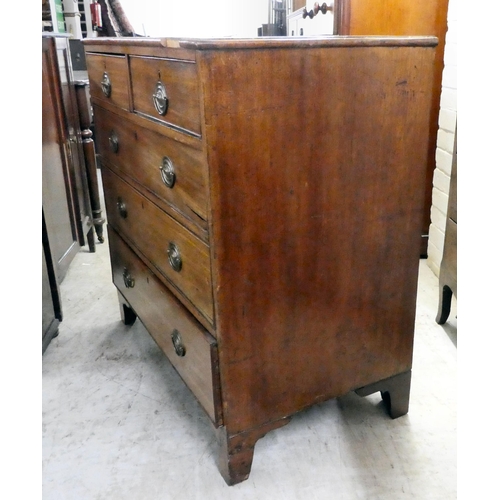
(445, 140)
(196, 18)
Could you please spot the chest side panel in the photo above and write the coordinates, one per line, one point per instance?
(317, 170)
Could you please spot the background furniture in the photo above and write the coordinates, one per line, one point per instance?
(404, 18)
(264, 200)
(51, 298)
(66, 191)
(61, 166)
(85, 115)
(448, 268)
(67, 218)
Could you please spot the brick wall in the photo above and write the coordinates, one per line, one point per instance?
(445, 140)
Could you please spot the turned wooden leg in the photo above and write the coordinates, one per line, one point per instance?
(127, 314)
(236, 452)
(89, 156)
(91, 167)
(395, 393)
(444, 304)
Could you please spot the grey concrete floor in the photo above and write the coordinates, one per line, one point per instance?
(118, 422)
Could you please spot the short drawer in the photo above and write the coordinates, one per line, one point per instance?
(108, 79)
(172, 171)
(182, 258)
(188, 346)
(167, 90)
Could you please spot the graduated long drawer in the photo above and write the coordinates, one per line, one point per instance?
(162, 240)
(189, 347)
(174, 173)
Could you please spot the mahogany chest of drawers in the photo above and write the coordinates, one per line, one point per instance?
(264, 201)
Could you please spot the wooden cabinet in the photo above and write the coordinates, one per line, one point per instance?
(264, 200)
(65, 191)
(58, 190)
(70, 198)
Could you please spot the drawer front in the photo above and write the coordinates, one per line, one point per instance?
(180, 106)
(190, 348)
(179, 256)
(172, 171)
(108, 79)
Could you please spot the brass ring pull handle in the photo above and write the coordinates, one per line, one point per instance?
(106, 84)
(127, 278)
(113, 141)
(180, 350)
(122, 208)
(174, 257)
(167, 172)
(160, 99)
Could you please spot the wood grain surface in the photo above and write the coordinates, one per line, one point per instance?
(317, 182)
(150, 230)
(139, 156)
(161, 314)
(116, 67)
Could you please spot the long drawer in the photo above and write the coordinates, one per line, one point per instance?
(171, 171)
(181, 257)
(190, 348)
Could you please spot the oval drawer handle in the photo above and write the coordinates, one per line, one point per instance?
(113, 141)
(127, 278)
(180, 350)
(122, 208)
(174, 257)
(106, 84)
(160, 99)
(167, 172)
